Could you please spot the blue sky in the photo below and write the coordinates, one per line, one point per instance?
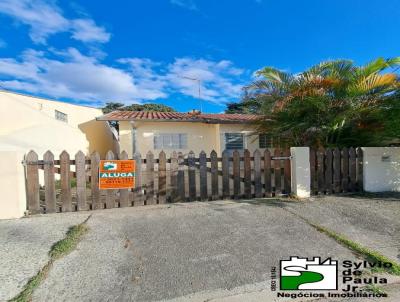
(92, 52)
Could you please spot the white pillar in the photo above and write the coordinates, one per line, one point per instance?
(12, 185)
(300, 169)
(381, 169)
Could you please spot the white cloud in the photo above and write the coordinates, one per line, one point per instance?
(85, 77)
(45, 18)
(86, 30)
(77, 77)
(145, 77)
(188, 4)
(71, 74)
(220, 81)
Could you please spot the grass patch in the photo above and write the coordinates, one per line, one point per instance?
(368, 254)
(34, 282)
(69, 243)
(57, 251)
(373, 288)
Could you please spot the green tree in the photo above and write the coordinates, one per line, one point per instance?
(149, 107)
(334, 103)
(109, 107)
(248, 105)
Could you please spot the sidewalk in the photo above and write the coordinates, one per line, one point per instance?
(24, 247)
(372, 221)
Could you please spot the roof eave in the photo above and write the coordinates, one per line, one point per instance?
(205, 121)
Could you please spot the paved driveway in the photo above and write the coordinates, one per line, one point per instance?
(201, 250)
(214, 251)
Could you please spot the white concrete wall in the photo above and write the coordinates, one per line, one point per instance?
(300, 170)
(381, 168)
(12, 185)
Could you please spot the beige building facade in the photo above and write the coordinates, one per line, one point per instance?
(32, 123)
(185, 133)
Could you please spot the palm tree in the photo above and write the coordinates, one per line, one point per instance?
(332, 103)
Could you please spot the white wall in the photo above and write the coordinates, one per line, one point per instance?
(12, 185)
(300, 171)
(381, 169)
(29, 123)
(48, 136)
(77, 114)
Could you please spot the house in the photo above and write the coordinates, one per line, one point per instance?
(141, 131)
(39, 124)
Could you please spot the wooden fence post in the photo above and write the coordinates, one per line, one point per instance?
(94, 183)
(49, 182)
(124, 193)
(174, 177)
(181, 177)
(336, 170)
(80, 168)
(150, 179)
(345, 169)
(214, 175)
(65, 179)
(313, 168)
(267, 173)
(360, 181)
(257, 174)
(321, 171)
(162, 178)
(247, 174)
(192, 176)
(328, 171)
(277, 171)
(203, 176)
(110, 194)
(138, 198)
(352, 169)
(287, 172)
(32, 174)
(225, 174)
(236, 175)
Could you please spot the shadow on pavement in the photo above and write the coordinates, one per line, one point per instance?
(269, 202)
(387, 196)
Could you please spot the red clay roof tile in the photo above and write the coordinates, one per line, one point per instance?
(177, 116)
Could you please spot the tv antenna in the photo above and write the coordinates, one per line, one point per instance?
(199, 89)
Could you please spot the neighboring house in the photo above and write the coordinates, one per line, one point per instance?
(141, 131)
(32, 123)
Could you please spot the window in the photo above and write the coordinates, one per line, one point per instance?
(170, 141)
(234, 141)
(61, 116)
(264, 141)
